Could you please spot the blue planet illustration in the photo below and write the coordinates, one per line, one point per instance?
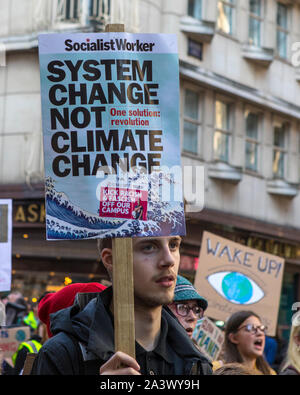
(237, 288)
(20, 335)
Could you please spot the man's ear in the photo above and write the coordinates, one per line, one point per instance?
(232, 338)
(106, 257)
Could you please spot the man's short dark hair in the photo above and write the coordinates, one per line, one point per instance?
(104, 243)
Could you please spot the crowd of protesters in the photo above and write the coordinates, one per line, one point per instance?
(71, 330)
(17, 312)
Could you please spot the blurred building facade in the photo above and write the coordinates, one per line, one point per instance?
(240, 119)
(239, 114)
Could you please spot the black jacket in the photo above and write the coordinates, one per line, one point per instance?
(84, 340)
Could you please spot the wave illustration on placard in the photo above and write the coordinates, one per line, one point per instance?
(66, 220)
(236, 287)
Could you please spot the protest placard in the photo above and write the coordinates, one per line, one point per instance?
(5, 244)
(10, 339)
(234, 277)
(209, 338)
(110, 109)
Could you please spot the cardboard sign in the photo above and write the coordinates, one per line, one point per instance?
(234, 277)
(110, 109)
(209, 338)
(10, 338)
(5, 244)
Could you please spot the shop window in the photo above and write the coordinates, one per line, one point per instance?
(255, 22)
(192, 121)
(222, 133)
(282, 30)
(252, 141)
(226, 15)
(3, 223)
(195, 9)
(279, 149)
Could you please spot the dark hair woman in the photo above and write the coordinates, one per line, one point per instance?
(245, 342)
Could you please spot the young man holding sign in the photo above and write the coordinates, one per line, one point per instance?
(84, 341)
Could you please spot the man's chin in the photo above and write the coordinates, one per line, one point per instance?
(166, 298)
(157, 300)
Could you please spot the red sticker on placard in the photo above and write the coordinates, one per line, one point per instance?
(123, 203)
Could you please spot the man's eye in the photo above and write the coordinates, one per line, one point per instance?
(174, 245)
(148, 247)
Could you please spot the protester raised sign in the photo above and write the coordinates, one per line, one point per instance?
(234, 277)
(110, 108)
(10, 339)
(209, 338)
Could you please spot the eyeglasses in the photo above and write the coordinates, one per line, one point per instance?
(183, 310)
(253, 329)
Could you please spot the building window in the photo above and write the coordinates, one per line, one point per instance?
(282, 31)
(222, 132)
(226, 13)
(191, 121)
(252, 141)
(71, 11)
(195, 9)
(99, 8)
(279, 149)
(68, 10)
(195, 49)
(255, 22)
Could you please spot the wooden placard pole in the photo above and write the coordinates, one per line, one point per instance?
(123, 297)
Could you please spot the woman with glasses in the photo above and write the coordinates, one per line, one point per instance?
(245, 342)
(188, 306)
(291, 365)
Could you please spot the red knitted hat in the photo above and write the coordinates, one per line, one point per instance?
(63, 298)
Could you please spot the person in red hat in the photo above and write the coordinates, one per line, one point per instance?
(55, 301)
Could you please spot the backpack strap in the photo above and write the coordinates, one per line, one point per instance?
(78, 353)
(87, 355)
(86, 358)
